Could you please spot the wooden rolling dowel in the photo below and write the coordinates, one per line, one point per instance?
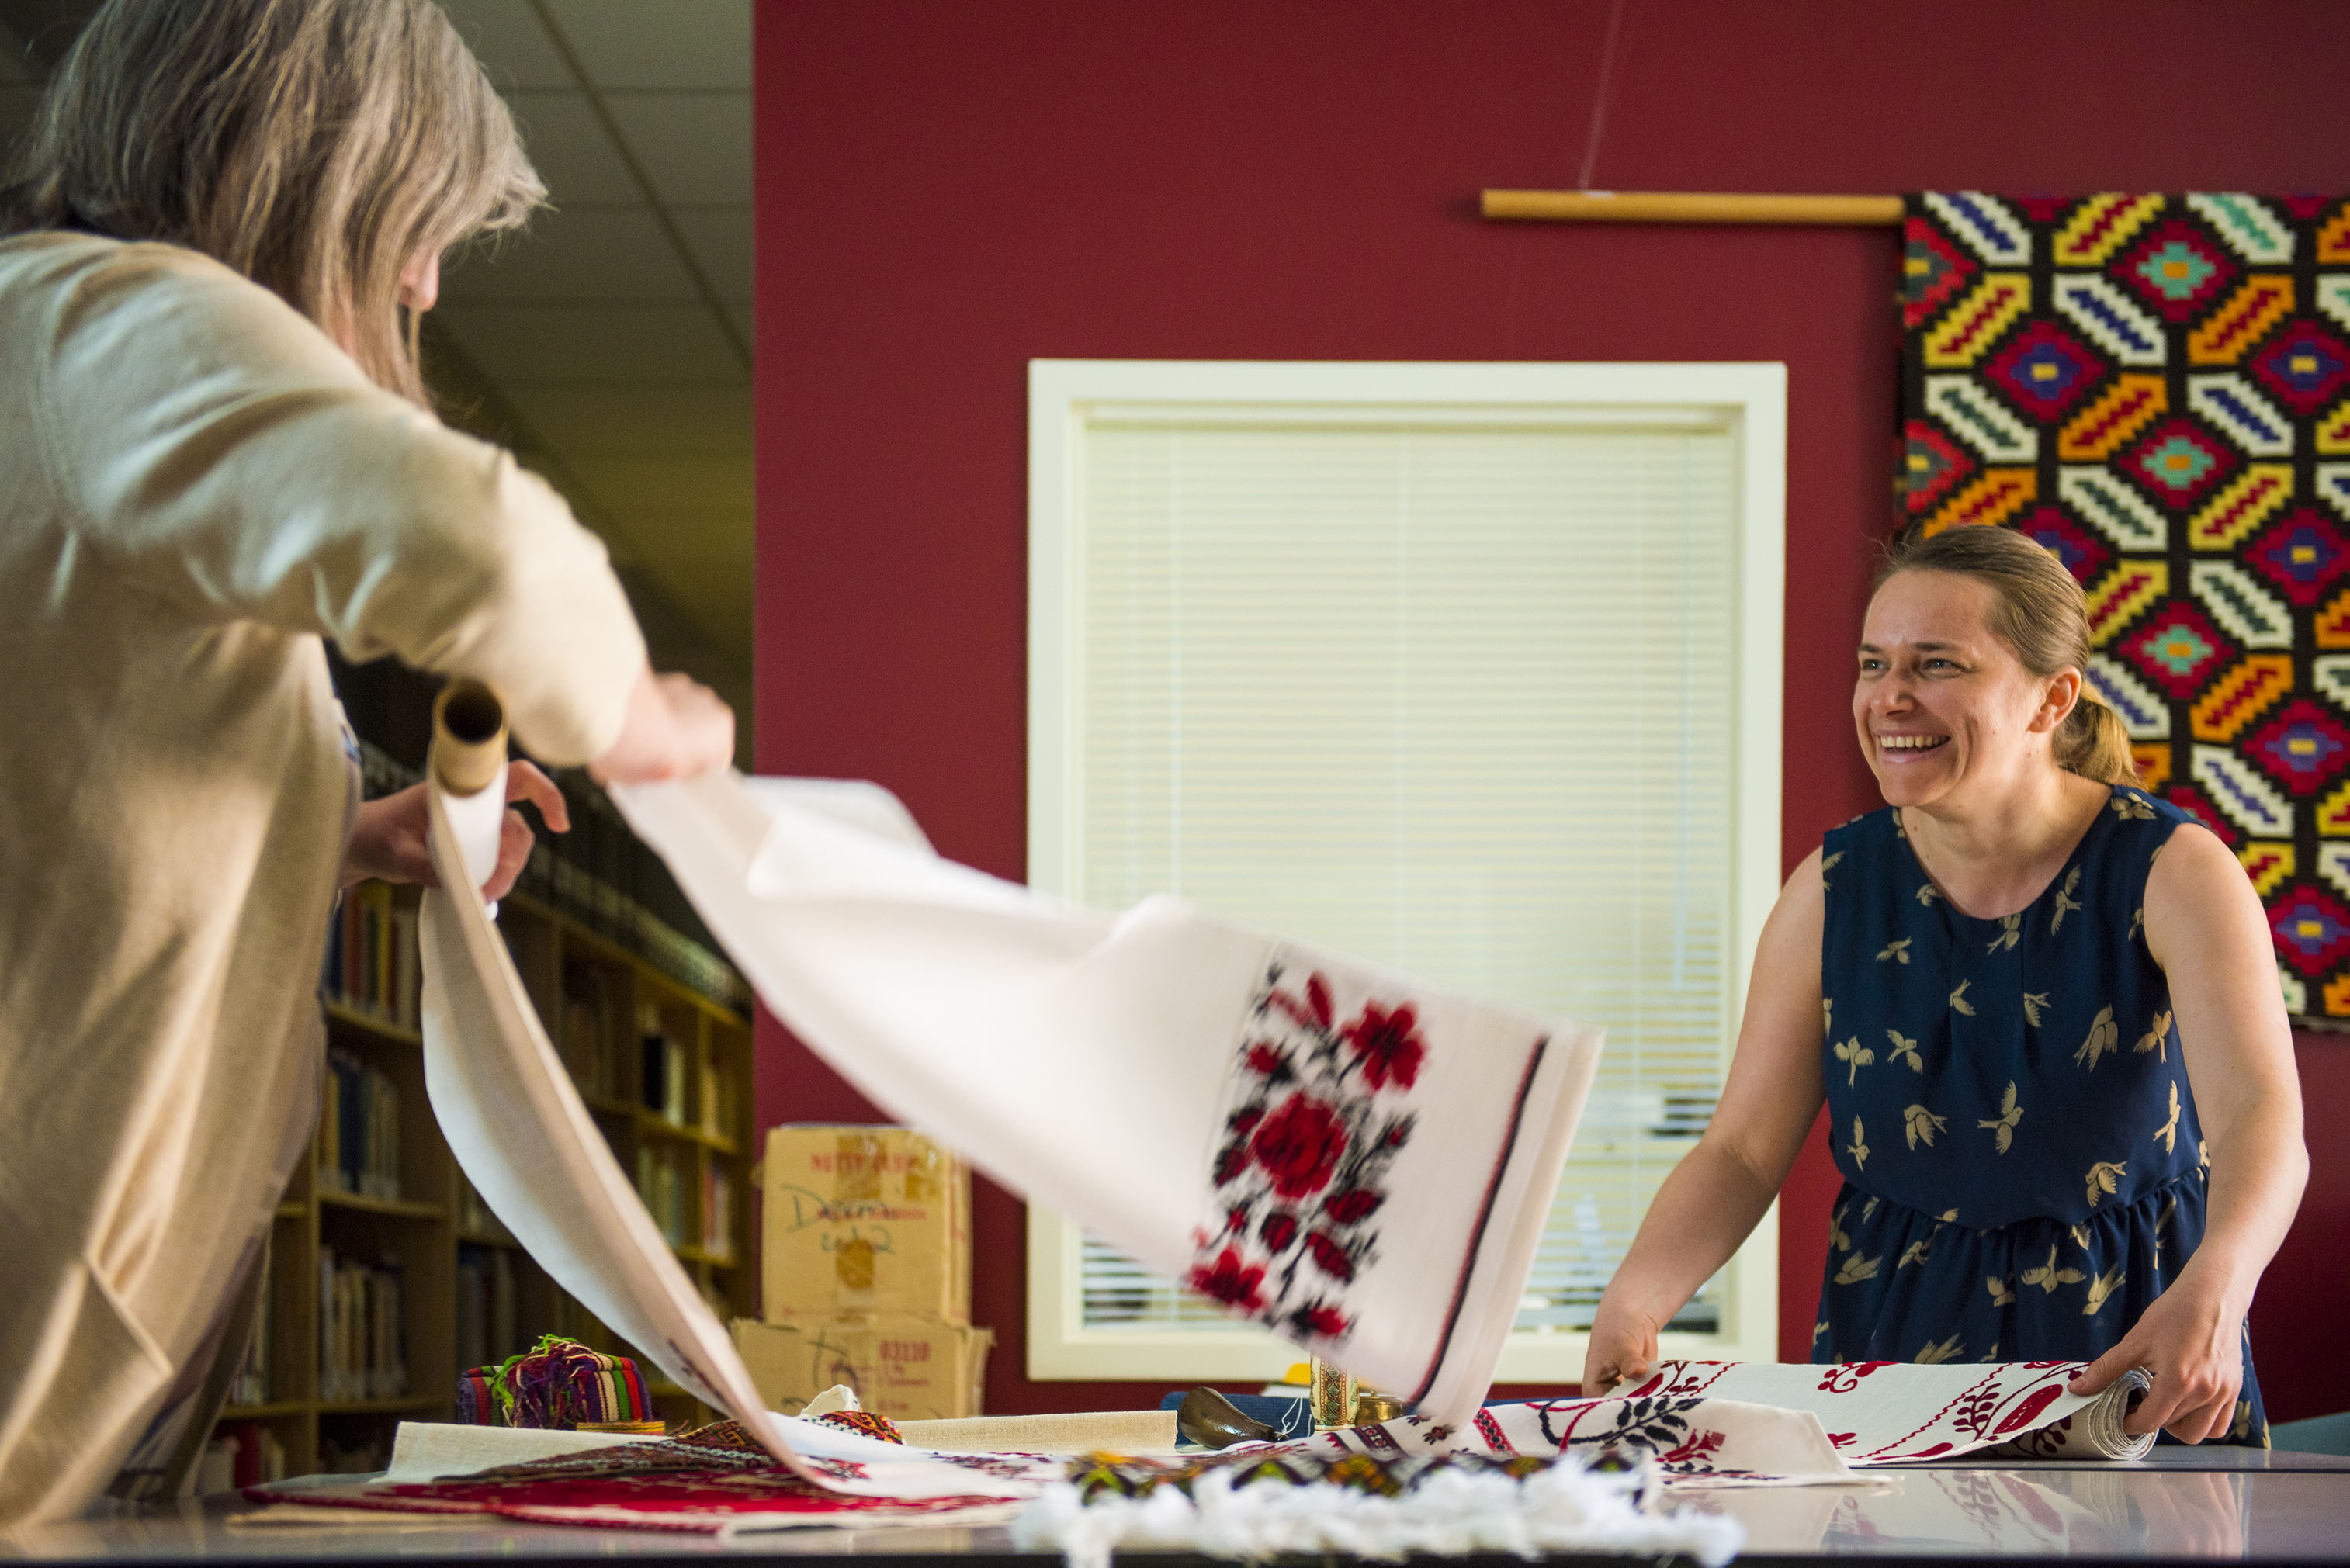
(469, 738)
(1689, 207)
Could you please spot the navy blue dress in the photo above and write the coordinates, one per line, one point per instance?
(2023, 1171)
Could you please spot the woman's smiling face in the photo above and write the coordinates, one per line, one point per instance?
(1939, 701)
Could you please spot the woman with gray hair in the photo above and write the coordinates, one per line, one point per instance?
(2042, 1009)
(215, 245)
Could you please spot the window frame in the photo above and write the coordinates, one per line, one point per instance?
(1750, 398)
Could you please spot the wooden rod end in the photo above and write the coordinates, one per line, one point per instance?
(469, 738)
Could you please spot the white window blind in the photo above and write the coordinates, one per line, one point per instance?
(1455, 690)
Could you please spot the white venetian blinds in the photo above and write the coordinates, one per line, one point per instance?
(1453, 694)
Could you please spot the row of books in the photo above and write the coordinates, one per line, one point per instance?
(359, 1129)
(371, 962)
(657, 1072)
(670, 1178)
(475, 1220)
(488, 1322)
(363, 1334)
(596, 873)
(240, 1454)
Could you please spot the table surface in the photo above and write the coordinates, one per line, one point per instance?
(2177, 1506)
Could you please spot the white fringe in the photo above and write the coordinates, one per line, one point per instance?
(1449, 1513)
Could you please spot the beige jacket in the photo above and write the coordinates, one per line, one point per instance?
(195, 486)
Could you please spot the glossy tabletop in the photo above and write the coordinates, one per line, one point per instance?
(2173, 1507)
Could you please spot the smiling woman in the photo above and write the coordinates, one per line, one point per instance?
(2040, 1010)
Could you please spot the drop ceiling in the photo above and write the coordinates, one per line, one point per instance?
(609, 345)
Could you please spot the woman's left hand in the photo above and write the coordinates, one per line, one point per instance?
(2191, 1343)
(388, 839)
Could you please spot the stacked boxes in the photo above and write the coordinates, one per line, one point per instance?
(866, 1274)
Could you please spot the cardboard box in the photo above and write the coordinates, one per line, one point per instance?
(863, 1221)
(909, 1369)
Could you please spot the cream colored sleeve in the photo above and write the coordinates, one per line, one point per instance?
(213, 445)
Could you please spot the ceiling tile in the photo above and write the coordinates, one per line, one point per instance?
(644, 485)
(591, 252)
(719, 239)
(679, 420)
(575, 155)
(508, 40)
(675, 43)
(695, 147)
(594, 342)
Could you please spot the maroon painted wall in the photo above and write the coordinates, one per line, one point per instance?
(946, 191)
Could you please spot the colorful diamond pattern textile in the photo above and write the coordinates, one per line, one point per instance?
(2157, 388)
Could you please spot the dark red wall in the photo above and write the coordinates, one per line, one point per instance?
(946, 191)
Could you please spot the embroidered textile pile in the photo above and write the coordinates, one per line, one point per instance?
(2157, 388)
(1586, 1474)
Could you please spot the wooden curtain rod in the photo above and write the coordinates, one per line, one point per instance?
(1689, 207)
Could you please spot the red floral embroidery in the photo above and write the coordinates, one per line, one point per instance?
(1323, 1320)
(1299, 1146)
(1387, 1044)
(1330, 1257)
(1228, 1281)
(1314, 1120)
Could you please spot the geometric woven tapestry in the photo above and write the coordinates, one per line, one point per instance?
(2157, 390)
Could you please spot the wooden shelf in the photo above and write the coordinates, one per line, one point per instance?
(425, 1229)
(397, 1207)
(403, 1405)
(483, 1239)
(652, 1123)
(373, 1024)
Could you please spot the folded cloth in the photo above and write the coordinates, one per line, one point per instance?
(1359, 1162)
(1894, 1412)
(559, 1384)
(720, 1477)
(1124, 1431)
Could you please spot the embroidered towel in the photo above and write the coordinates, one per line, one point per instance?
(1357, 1161)
(1892, 1412)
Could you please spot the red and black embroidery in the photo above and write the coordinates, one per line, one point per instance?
(1315, 1116)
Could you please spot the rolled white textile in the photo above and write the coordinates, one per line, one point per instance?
(524, 1139)
(1897, 1412)
(1359, 1161)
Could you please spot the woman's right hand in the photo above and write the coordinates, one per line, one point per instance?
(1623, 1347)
(676, 727)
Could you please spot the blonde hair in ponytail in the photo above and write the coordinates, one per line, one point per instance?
(2039, 611)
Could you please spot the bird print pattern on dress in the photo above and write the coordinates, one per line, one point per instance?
(2048, 1178)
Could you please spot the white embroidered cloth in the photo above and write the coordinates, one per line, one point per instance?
(1894, 1412)
(1357, 1161)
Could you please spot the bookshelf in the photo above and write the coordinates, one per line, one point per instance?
(388, 1275)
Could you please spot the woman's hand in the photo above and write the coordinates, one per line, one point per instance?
(2191, 1343)
(388, 837)
(1623, 1347)
(676, 728)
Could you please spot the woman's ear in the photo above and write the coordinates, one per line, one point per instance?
(2057, 701)
(419, 282)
